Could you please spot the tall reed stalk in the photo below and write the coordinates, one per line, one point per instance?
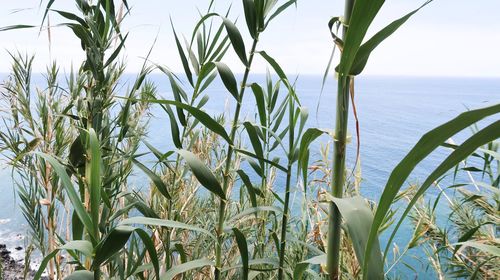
(339, 156)
(286, 210)
(230, 150)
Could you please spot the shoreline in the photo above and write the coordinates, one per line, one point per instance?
(12, 269)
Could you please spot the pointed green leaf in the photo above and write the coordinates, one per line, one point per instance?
(203, 173)
(228, 79)
(254, 139)
(70, 191)
(358, 218)
(94, 178)
(301, 267)
(159, 184)
(164, 223)
(182, 55)
(201, 116)
(82, 246)
(250, 17)
(261, 104)
(366, 49)
(112, 244)
(236, 40)
(363, 13)
(480, 138)
(426, 145)
(15, 27)
(243, 247)
(178, 269)
(174, 128)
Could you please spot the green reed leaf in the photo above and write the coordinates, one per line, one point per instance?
(73, 17)
(157, 181)
(366, 49)
(164, 223)
(309, 136)
(182, 55)
(236, 40)
(301, 267)
(243, 248)
(228, 79)
(250, 154)
(82, 246)
(252, 191)
(279, 10)
(250, 17)
(203, 173)
(150, 247)
(70, 191)
(261, 104)
(426, 145)
(254, 139)
(480, 138)
(277, 68)
(358, 217)
(111, 244)
(181, 268)
(201, 116)
(363, 13)
(174, 128)
(43, 264)
(94, 177)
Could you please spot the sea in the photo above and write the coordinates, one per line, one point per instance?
(393, 112)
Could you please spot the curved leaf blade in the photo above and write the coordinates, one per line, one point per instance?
(243, 247)
(236, 40)
(228, 79)
(428, 143)
(164, 223)
(181, 268)
(203, 173)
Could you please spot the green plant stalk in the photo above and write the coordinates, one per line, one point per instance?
(174, 179)
(338, 178)
(262, 233)
(284, 220)
(226, 174)
(339, 153)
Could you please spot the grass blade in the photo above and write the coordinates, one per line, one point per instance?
(164, 223)
(427, 144)
(70, 190)
(236, 40)
(228, 79)
(160, 185)
(203, 173)
(243, 247)
(181, 268)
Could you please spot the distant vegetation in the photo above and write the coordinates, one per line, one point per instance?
(72, 146)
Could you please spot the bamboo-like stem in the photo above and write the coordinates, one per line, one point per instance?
(174, 178)
(339, 154)
(284, 220)
(227, 168)
(264, 181)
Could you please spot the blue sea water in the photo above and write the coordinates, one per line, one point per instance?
(394, 112)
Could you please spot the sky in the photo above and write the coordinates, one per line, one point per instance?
(447, 38)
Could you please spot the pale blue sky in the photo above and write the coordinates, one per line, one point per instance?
(447, 38)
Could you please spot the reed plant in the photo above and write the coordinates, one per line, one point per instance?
(70, 137)
(214, 209)
(467, 245)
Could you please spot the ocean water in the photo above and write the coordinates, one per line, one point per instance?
(394, 112)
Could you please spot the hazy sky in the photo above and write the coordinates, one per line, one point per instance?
(447, 38)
